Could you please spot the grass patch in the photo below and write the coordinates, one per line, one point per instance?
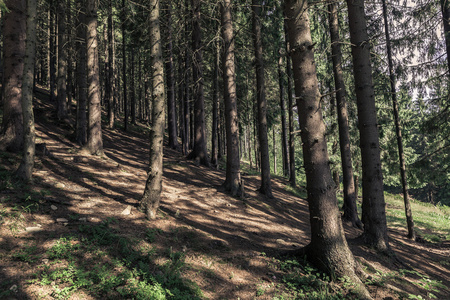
(432, 222)
(296, 191)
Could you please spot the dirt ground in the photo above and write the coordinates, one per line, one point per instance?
(235, 239)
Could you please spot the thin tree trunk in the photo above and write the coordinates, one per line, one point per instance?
(292, 172)
(133, 88)
(266, 187)
(398, 131)
(81, 128)
(112, 68)
(70, 51)
(124, 69)
(275, 171)
(61, 98)
(52, 61)
(214, 135)
(25, 170)
(170, 77)
(153, 187)
(350, 210)
(95, 142)
(284, 142)
(11, 134)
(373, 206)
(187, 80)
(328, 248)
(445, 8)
(233, 174)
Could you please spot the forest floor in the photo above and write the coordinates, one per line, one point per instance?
(76, 232)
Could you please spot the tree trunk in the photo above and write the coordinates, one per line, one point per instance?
(61, 98)
(328, 248)
(445, 8)
(187, 82)
(124, 69)
(81, 129)
(398, 131)
(111, 68)
(284, 143)
(275, 171)
(214, 134)
(373, 206)
(95, 142)
(153, 187)
(25, 170)
(170, 77)
(291, 115)
(350, 210)
(266, 187)
(133, 88)
(52, 50)
(11, 134)
(233, 174)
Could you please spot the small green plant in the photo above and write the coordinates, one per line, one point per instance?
(64, 248)
(27, 254)
(151, 233)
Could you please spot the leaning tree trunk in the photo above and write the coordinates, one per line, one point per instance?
(25, 170)
(233, 174)
(81, 128)
(328, 248)
(373, 206)
(153, 187)
(61, 85)
(199, 151)
(266, 187)
(14, 24)
(398, 131)
(95, 142)
(350, 210)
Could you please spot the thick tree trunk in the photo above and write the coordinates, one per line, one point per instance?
(170, 77)
(328, 248)
(233, 173)
(199, 151)
(25, 170)
(14, 24)
(111, 68)
(284, 143)
(373, 206)
(398, 131)
(95, 141)
(350, 210)
(81, 128)
(266, 187)
(61, 96)
(214, 135)
(153, 187)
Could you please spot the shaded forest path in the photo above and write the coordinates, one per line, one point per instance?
(228, 242)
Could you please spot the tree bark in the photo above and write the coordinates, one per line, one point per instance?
(292, 172)
(25, 170)
(61, 96)
(328, 248)
(124, 69)
(398, 131)
(81, 128)
(266, 187)
(284, 142)
(170, 77)
(11, 134)
(445, 8)
(214, 135)
(95, 142)
(153, 187)
(350, 210)
(111, 68)
(373, 206)
(233, 174)
(52, 50)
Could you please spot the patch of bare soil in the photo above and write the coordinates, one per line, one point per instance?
(228, 242)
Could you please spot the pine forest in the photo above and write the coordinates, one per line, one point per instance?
(224, 149)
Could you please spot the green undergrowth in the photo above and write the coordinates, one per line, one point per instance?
(432, 222)
(105, 265)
